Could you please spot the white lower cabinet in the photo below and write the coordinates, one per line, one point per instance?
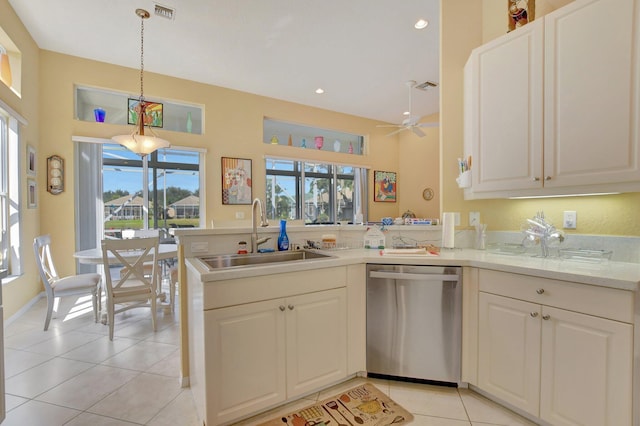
(565, 367)
(263, 353)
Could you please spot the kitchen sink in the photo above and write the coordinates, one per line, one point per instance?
(234, 260)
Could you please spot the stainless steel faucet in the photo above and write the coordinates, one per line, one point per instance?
(254, 225)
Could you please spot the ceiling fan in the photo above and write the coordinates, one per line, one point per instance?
(411, 122)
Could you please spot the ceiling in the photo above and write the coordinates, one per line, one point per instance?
(361, 52)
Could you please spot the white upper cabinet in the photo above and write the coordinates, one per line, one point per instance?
(553, 107)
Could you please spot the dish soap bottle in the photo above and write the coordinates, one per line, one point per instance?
(283, 239)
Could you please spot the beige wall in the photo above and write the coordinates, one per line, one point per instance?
(233, 123)
(609, 215)
(20, 290)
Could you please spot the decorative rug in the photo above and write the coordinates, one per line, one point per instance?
(363, 405)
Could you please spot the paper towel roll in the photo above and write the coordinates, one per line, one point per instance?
(448, 230)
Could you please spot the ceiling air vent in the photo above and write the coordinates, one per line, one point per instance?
(426, 85)
(164, 12)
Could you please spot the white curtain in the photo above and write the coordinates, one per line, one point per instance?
(88, 198)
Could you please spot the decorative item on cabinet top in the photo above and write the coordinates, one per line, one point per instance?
(306, 137)
(55, 174)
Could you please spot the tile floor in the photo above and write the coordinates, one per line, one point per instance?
(73, 375)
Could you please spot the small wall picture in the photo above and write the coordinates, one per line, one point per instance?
(384, 184)
(153, 113)
(32, 194)
(31, 160)
(236, 181)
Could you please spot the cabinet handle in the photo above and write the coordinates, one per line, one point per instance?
(291, 307)
(536, 179)
(540, 290)
(534, 314)
(282, 308)
(547, 178)
(546, 317)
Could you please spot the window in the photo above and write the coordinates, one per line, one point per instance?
(318, 193)
(161, 191)
(10, 184)
(158, 192)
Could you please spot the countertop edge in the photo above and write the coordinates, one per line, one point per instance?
(617, 275)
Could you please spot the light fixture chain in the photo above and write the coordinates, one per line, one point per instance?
(141, 59)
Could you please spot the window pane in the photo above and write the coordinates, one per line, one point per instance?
(122, 197)
(317, 200)
(178, 156)
(317, 168)
(281, 197)
(275, 164)
(344, 203)
(118, 152)
(178, 198)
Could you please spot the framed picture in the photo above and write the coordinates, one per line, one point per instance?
(31, 160)
(153, 113)
(236, 181)
(32, 194)
(384, 184)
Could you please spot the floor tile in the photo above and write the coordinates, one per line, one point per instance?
(17, 361)
(100, 349)
(140, 399)
(141, 356)
(420, 420)
(45, 376)
(64, 342)
(36, 413)
(88, 387)
(481, 409)
(85, 419)
(169, 366)
(181, 411)
(428, 400)
(12, 401)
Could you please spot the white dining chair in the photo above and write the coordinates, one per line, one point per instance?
(132, 288)
(56, 286)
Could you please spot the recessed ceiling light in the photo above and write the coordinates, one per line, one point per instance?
(319, 90)
(421, 24)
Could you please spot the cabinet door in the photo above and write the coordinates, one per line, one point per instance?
(503, 111)
(316, 340)
(245, 350)
(592, 77)
(509, 350)
(586, 369)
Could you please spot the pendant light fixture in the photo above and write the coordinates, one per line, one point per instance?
(138, 141)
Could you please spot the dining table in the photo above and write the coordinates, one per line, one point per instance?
(166, 253)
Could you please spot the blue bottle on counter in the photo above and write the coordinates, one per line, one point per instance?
(283, 239)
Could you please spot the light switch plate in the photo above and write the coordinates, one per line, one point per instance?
(474, 218)
(570, 220)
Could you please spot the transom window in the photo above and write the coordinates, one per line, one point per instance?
(318, 193)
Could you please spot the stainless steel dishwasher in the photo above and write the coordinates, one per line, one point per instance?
(414, 322)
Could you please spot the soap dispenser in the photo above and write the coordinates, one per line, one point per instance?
(283, 239)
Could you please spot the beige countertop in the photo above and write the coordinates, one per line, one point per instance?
(620, 275)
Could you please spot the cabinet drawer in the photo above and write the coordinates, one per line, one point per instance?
(218, 294)
(589, 299)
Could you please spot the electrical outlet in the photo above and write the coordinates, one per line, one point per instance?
(474, 218)
(239, 215)
(570, 220)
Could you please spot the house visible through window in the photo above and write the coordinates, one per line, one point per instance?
(318, 193)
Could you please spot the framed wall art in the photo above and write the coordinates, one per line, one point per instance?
(32, 194)
(384, 184)
(153, 113)
(31, 160)
(236, 181)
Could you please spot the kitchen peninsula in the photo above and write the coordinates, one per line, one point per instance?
(541, 315)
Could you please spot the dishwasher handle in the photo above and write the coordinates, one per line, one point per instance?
(415, 277)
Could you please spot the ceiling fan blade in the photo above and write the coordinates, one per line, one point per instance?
(389, 125)
(396, 131)
(418, 132)
(433, 124)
